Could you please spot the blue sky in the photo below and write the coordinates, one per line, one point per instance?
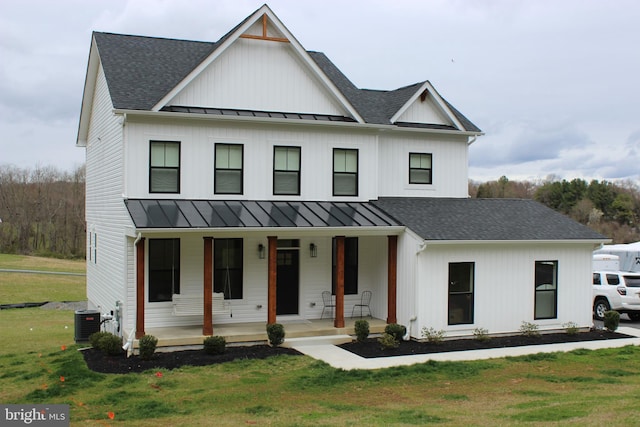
(553, 84)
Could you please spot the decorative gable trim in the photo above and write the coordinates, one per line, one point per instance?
(423, 91)
(266, 15)
(265, 35)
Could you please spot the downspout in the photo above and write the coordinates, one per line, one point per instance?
(128, 347)
(421, 247)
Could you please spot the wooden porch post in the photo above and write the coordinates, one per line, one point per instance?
(392, 269)
(272, 278)
(207, 325)
(140, 288)
(339, 318)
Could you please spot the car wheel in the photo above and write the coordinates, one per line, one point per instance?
(634, 316)
(600, 307)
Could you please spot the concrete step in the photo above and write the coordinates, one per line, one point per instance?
(320, 340)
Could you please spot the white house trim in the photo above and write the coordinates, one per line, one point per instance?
(439, 101)
(301, 52)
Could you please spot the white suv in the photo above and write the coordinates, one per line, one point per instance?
(616, 290)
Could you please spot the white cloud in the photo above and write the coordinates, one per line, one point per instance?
(553, 84)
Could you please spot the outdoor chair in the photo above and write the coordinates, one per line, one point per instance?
(365, 300)
(327, 300)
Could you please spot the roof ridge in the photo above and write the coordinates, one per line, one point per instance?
(109, 33)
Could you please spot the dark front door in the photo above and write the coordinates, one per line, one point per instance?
(287, 286)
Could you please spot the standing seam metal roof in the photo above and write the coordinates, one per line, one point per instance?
(182, 214)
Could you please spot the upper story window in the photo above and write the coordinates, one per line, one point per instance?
(345, 172)
(229, 163)
(164, 167)
(420, 168)
(286, 170)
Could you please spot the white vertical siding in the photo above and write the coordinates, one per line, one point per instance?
(105, 212)
(197, 158)
(383, 161)
(449, 165)
(426, 111)
(504, 285)
(262, 76)
(315, 277)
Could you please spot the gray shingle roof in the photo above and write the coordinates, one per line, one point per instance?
(484, 219)
(140, 71)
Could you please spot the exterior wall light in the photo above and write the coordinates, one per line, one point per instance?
(261, 251)
(313, 250)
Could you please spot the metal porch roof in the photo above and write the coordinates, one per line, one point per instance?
(184, 214)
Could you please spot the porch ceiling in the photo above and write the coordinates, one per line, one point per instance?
(185, 214)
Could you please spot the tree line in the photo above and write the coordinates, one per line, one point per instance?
(42, 211)
(42, 208)
(611, 209)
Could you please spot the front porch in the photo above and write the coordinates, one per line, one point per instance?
(255, 332)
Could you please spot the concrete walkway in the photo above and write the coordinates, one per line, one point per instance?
(342, 359)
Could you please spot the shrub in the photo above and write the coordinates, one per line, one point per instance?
(275, 332)
(95, 338)
(362, 330)
(396, 330)
(110, 344)
(432, 335)
(611, 320)
(481, 334)
(147, 345)
(529, 329)
(214, 345)
(388, 341)
(571, 328)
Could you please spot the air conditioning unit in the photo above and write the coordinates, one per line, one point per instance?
(87, 322)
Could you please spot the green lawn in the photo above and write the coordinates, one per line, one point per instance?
(39, 364)
(18, 287)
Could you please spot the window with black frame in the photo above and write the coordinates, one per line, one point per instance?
(227, 267)
(345, 172)
(546, 290)
(164, 269)
(420, 168)
(164, 167)
(461, 289)
(350, 266)
(228, 169)
(286, 170)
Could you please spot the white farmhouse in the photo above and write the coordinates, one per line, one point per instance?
(230, 184)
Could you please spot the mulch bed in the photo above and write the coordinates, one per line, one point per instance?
(371, 347)
(99, 362)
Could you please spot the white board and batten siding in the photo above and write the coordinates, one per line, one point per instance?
(426, 111)
(260, 76)
(314, 278)
(105, 213)
(504, 286)
(383, 163)
(449, 156)
(197, 154)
